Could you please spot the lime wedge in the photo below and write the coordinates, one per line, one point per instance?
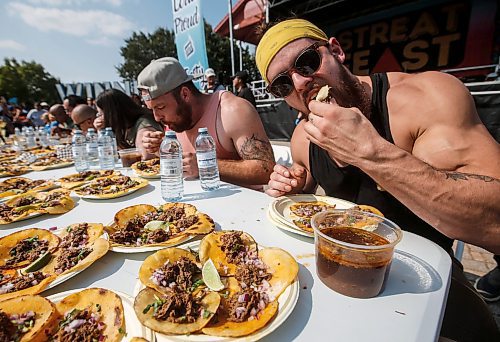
(211, 276)
(154, 225)
(38, 263)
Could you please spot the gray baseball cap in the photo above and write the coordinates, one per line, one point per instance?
(161, 76)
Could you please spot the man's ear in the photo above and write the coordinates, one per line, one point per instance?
(336, 50)
(185, 94)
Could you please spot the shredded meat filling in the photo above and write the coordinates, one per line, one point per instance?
(28, 249)
(23, 282)
(233, 246)
(171, 214)
(80, 326)
(69, 257)
(7, 328)
(157, 235)
(181, 274)
(251, 274)
(127, 235)
(178, 307)
(77, 236)
(245, 304)
(186, 222)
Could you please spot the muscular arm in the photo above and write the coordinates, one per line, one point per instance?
(243, 127)
(450, 179)
(462, 206)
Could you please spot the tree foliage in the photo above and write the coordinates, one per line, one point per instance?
(141, 48)
(28, 81)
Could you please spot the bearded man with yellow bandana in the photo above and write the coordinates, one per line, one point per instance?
(418, 137)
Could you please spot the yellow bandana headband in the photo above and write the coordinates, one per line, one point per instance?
(280, 35)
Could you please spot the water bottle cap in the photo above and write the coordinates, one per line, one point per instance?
(91, 130)
(78, 131)
(202, 130)
(170, 134)
(109, 129)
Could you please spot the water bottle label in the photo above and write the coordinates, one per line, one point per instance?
(206, 159)
(170, 167)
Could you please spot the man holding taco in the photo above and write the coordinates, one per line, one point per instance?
(410, 145)
(244, 154)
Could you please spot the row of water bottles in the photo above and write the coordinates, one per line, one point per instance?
(94, 150)
(30, 137)
(172, 186)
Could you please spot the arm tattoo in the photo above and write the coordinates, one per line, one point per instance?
(257, 149)
(466, 176)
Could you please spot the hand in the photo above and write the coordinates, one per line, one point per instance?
(286, 181)
(345, 133)
(151, 141)
(190, 165)
(99, 122)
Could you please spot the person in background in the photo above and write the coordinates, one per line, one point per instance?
(84, 116)
(240, 80)
(6, 117)
(21, 118)
(137, 99)
(48, 122)
(35, 115)
(244, 154)
(91, 102)
(488, 285)
(71, 101)
(411, 145)
(212, 84)
(64, 123)
(130, 122)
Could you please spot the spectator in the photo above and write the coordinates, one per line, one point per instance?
(240, 80)
(91, 102)
(212, 84)
(64, 123)
(84, 116)
(21, 118)
(71, 101)
(35, 115)
(128, 120)
(137, 99)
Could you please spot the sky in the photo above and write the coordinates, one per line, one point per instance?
(79, 40)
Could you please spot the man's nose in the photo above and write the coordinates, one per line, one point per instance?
(300, 82)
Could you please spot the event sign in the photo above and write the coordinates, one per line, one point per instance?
(190, 38)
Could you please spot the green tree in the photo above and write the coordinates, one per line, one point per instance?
(140, 49)
(28, 81)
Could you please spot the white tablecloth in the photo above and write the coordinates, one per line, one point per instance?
(409, 309)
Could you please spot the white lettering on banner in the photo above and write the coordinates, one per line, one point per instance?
(93, 89)
(182, 24)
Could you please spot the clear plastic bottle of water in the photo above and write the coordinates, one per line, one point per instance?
(17, 132)
(30, 138)
(106, 157)
(172, 185)
(79, 148)
(207, 160)
(44, 139)
(109, 132)
(92, 149)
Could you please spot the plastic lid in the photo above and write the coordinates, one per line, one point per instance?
(109, 129)
(202, 130)
(91, 130)
(78, 131)
(170, 134)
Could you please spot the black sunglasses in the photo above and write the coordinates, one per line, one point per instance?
(306, 64)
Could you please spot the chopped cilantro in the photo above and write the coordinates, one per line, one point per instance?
(98, 306)
(196, 284)
(207, 313)
(121, 331)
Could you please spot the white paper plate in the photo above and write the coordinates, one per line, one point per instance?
(133, 327)
(279, 210)
(157, 176)
(123, 249)
(53, 167)
(287, 301)
(96, 197)
(286, 226)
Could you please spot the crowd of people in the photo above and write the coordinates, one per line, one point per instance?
(410, 145)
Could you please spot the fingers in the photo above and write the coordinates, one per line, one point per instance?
(319, 108)
(274, 192)
(282, 183)
(282, 170)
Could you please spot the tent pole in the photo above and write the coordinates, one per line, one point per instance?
(230, 9)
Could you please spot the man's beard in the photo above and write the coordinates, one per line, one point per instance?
(185, 114)
(347, 91)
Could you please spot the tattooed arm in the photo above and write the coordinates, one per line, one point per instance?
(248, 138)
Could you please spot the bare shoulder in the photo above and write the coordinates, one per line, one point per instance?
(234, 108)
(431, 97)
(299, 146)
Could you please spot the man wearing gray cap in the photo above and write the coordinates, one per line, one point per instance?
(212, 85)
(244, 154)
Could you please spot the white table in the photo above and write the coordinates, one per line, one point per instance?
(409, 309)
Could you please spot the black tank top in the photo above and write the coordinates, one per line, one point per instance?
(352, 184)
